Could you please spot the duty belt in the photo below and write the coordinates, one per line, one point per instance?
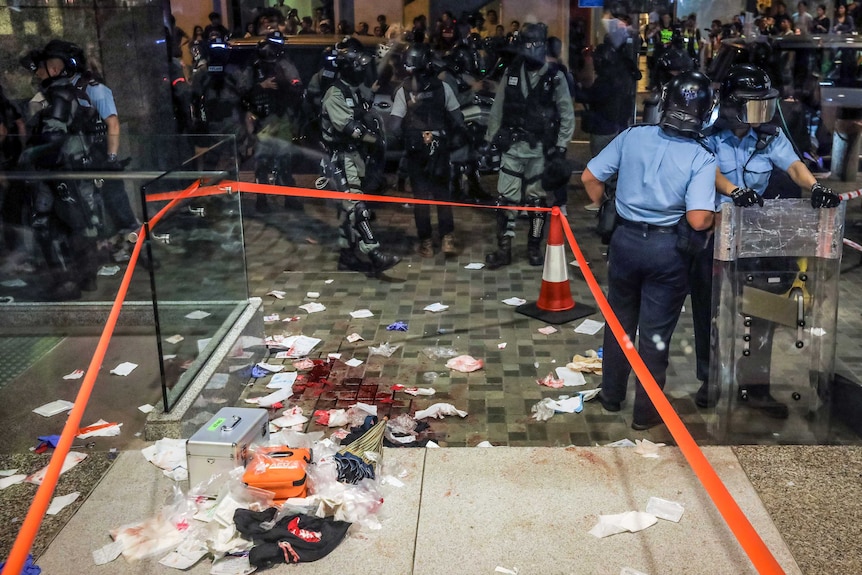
(645, 227)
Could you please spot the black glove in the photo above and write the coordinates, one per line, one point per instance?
(823, 197)
(556, 152)
(488, 157)
(112, 164)
(746, 197)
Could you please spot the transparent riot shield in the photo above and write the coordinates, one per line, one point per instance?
(775, 305)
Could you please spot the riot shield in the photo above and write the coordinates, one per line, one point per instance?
(775, 305)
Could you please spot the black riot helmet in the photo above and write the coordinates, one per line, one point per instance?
(672, 62)
(272, 47)
(533, 40)
(747, 96)
(465, 60)
(417, 60)
(71, 54)
(686, 104)
(351, 61)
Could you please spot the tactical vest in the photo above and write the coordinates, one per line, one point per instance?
(666, 36)
(355, 103)
(426, 108)
(536, 114)
(76, 129)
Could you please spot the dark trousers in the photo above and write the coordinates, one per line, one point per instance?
(647, 285)
(118, 207)
(431, 188)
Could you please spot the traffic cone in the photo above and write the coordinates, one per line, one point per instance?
(555, 304)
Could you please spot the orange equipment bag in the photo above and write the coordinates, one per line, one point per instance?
(279, 469)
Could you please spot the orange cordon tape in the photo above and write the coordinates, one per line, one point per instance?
(748, 538)
(745, 533)
(36, 513)
(229, 187)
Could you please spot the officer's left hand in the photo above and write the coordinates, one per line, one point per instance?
(557, 152)
(112, 164)
(823, 197)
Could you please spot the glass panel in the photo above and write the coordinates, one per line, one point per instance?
(775, 305)
(194, 254)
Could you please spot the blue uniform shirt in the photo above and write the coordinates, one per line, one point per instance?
(101, 98)
(661, 176)
(744, 165)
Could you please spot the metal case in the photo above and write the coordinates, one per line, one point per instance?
(222, 444)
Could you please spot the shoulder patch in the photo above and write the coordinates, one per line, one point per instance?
(513, 80)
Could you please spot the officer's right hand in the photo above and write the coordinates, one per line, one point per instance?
(823, 197)
(745, 197)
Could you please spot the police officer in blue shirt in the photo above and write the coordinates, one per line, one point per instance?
(665, 198)
(747, 149)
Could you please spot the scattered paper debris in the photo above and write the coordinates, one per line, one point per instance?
(589, 363)
(14, 283)
(436, 307)
(185, 555)
(100, 428)
(547, 330)
(570, 378)
(312, 294)
(198, 314)
(590, 327)
(77, 374)
(271, 318)
(485, 443)
(124, 368)
(61, 502)
(589, 394)
(438, 410)
(303, 364)
(270, 367)
(282, 380)
(169, 455)
(514, 301)
(313, 307)
(54, 407)
(474, 266)
(291, 318)
(7, 472)
(290, 417)
(647, 448)
(275, 397)
(331, 417)
(278, 294)
(665, 509)
(361, 313)
(354, 362)
(174, 338)
(107, 553)
(499, 569)
(12, 480)
(622, 443)
(419, 391)
(73, 458)
(327, 282)
(146, 408)
(384, 349)
(550, 381)
(632, 521)
(501, 345)
(354, 337)
(108, 271)
(465, 363)
(630, 571)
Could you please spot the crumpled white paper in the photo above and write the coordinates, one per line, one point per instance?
(73, 458)
(438, 410)
(436, 307)
(632, 521)
(124, 368)
(665, 509)
(465, 363)
(107, 431)
(647, 448)
(290, 417)
(361, 313)
(169, 455)
(313, 307)
(419, 391)
(61, 502)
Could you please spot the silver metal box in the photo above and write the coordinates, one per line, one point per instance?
(222, 444)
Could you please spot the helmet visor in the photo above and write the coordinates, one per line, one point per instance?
(757, 111)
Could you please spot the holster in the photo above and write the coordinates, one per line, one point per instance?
(689, 241)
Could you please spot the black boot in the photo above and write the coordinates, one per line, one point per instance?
(347, 261)
(503, 255)
(707, 396)
(535, 255)
(758, 397)
(534, 252)
(382, 261)
(261, 204)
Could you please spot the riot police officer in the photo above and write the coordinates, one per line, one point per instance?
(669, 63)
(665, 195)
(426, 111)
(747, 149)
(462, 71)
(532, 119)
(75, 127)
(274, 99)
(347, 129)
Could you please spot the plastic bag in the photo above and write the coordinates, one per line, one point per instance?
(158, 534)
(439, 352)
(384, 349)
